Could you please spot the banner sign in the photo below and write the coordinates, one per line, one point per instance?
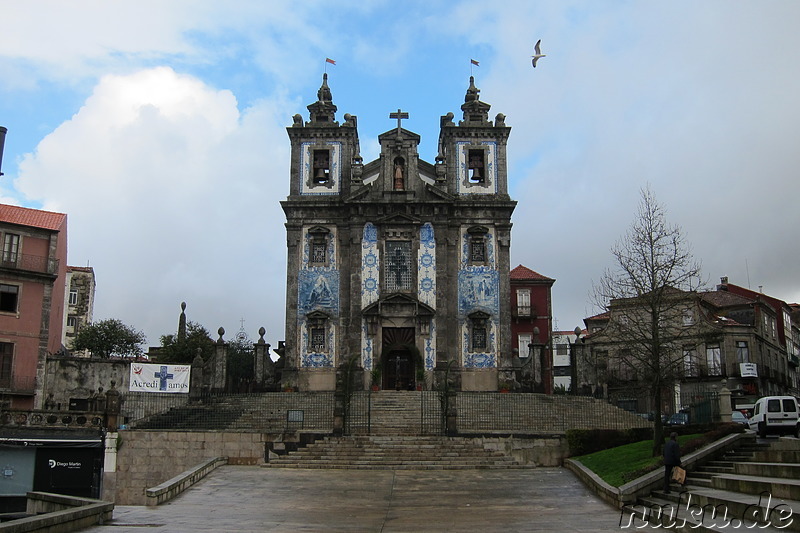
(748, 370)
(159, 378)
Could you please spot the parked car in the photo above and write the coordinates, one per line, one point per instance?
(678, 419)
(739, 418)
(776, 414)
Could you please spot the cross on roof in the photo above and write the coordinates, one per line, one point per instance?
(400, 115)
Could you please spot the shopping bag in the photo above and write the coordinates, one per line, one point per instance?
(678, 475)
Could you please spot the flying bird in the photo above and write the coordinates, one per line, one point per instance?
(538, 52)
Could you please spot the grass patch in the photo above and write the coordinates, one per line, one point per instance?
(613, 464)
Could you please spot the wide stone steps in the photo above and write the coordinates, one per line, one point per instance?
(751, 489)
(395, 453)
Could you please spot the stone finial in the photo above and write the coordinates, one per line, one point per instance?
(446, 120)
(500, 120)
(221, 332)
(297, 121)
(182, 323)
(324, 93)
(472, 91)
(261, 333)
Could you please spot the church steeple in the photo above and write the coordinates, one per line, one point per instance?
(476, 113)
(323, 110)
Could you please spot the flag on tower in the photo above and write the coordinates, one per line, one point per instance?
(329, 60)
(474, 62)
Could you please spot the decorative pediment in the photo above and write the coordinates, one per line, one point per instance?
(399, 305)
(399, 219)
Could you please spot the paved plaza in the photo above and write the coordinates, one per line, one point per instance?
(253, 499)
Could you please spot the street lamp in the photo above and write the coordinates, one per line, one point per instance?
(573, 362)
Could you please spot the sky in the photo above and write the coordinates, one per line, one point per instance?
(159, 128)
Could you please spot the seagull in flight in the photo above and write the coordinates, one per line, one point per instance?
(538, 52)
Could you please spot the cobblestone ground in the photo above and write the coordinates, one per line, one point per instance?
(253, 499)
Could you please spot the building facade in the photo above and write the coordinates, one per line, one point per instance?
(32, 292)
(531, 327)
(565, 345)
(398, 265)
(715, 339)
(80, 286)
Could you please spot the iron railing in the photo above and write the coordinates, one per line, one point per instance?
(529, 413)
(367, 413)
(278, 411)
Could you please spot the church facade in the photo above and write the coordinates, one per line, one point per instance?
(398, 266)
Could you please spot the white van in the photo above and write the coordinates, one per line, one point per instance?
(776, 414)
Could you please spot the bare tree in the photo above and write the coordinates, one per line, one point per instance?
(649, 289)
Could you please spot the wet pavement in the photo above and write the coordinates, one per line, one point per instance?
(253, 499)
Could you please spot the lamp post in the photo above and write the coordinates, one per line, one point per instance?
(573, 362)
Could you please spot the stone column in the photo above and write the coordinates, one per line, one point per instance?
(220, 366)
(725, 408)
(262, 364)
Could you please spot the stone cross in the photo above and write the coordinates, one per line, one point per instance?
(400, 115)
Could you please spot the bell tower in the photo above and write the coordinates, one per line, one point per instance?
(325, 164)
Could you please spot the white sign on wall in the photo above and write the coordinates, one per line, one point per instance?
(159, 378)
(748, 370)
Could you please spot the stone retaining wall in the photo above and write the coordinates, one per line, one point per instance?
(148, 458)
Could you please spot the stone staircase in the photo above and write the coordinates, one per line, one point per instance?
(399, 413)
(755, 486)
(374, 452)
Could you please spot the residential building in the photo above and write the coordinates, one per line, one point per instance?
(32, 291)
(564, 350)
(710, 340)
(399, 263)
(783, 328)
(531, 326)
(80, 286)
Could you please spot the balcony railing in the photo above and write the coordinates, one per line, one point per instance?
(18, 384)
(522, 310)
(31, 263)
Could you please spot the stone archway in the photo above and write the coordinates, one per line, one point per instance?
(399, 359)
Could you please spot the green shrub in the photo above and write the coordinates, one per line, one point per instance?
(585, 441)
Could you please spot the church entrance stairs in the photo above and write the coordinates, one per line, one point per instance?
(371, 452)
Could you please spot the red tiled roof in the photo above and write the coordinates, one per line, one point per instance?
(725, 298)
(36, 218)
(525, 273)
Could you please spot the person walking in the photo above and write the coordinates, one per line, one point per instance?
(672, 458)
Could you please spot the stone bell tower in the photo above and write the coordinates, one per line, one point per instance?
(398, 264)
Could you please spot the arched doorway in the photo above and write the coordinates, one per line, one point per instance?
(399, 359)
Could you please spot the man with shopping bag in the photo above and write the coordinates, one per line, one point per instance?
(672, 458)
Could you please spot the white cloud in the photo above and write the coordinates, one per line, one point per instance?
(171, 192)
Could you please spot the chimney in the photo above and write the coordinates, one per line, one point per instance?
(723, 284)
(3, 131)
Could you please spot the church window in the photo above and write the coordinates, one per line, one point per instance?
(318, 339)
(318, 246)
(477, 246)
(317, 332)
(479, 338)
(479, 331)
(398, 263)
(476, 166)
(322, 167)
